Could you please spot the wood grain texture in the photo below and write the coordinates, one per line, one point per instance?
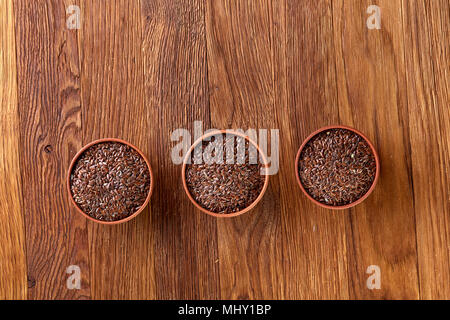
(372, 95)
(139, 70)
(426, 34)
(312, 234)
(13, 284)
(176, 96)
(240, 74)
(49, 109)
(121, 256)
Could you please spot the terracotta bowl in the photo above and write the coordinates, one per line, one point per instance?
(72, 164)
(185, 162)
(377, 171)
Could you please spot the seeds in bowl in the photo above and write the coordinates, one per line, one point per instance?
(229, 185)
(337, 167)
(110, 181)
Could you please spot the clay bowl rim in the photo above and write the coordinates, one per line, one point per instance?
(224, 215)
(377, 171)
(75, 159)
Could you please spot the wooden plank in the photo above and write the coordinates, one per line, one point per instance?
(426, 34)
(241, 97)
(285, 179)
(371, 96)
(122, 256)
(13, 276)
(176, 96)
(315, 239)
(49, 109)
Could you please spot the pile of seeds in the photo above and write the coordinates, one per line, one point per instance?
(110, 181)
(337, 167)
(225, 187)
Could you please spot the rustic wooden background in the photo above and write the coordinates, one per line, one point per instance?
(137, 70)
